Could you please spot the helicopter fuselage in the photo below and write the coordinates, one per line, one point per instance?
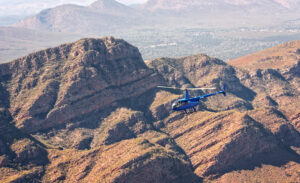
(191, 103)
(184, 104)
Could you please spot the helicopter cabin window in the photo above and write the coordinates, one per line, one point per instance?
(182, 103)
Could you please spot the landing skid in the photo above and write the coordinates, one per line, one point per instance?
(192, 110)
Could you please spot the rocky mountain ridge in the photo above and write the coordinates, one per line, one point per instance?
(43, 84)
(90, 111)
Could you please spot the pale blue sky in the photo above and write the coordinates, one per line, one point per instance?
(27, 7)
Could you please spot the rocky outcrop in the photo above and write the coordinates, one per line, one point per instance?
(121, 124)
(27, 151)
(17, 147)
(215, 143)
(277, 123)
(296, 121)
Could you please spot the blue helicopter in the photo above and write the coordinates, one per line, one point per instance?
(191, 102)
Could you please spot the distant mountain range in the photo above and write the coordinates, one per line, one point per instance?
(102, 15)
(110, 15)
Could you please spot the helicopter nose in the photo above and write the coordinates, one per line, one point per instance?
(173, 106)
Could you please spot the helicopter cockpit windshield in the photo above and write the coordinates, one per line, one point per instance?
(178, 104)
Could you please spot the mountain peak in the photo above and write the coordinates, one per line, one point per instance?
(104, 4)
(89, 67)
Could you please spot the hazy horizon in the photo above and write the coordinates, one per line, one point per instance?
(19, 7)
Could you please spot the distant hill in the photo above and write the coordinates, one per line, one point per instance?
(90, 111)
(102, 15)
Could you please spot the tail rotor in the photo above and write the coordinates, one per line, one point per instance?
(224, 90)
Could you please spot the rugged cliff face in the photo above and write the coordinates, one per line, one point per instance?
(90, 111)
(88, 75)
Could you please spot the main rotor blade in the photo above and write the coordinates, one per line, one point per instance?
(167, 87)
(201, 88)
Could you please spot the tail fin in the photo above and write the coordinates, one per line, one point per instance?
(224, 90)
